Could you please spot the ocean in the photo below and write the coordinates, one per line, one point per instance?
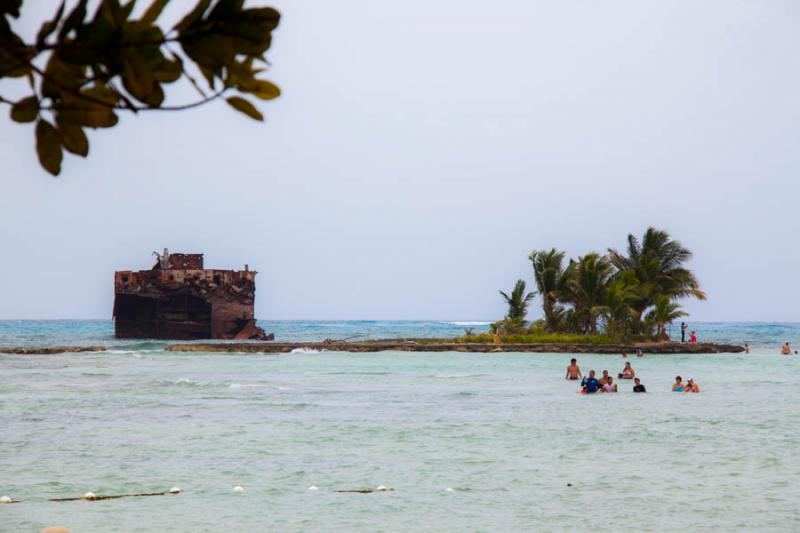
(468, 442)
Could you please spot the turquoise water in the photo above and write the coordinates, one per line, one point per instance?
(87, 332)
(504, 431)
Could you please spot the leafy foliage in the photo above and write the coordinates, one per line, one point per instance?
(551, 280)
(536, 338)
(624, 295)
(98, 65)
(517, 303)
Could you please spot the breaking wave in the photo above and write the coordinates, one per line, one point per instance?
(307, 350)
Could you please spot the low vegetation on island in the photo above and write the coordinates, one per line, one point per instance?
(597, 298)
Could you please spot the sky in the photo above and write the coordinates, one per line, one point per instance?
(422, 149)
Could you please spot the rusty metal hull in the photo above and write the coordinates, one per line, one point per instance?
(179, 299)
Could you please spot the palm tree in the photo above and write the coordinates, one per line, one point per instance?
(618, 311)
(657, 263)
(586, 288)
(517, 304)
(551, 278)
(664, 312)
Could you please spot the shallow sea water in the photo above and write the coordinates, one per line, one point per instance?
(504, 431)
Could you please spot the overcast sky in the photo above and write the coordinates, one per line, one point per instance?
(422, 148)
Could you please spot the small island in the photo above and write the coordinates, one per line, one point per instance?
(620, 301)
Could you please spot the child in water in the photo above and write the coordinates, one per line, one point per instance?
(678, 386)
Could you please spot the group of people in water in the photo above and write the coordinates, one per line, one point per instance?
(590, 384)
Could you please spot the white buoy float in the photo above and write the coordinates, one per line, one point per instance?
(313, 487)
(238, 488)
(90, 496)
(6, 499)
(449, 489)
(382, 488)
(175, 490)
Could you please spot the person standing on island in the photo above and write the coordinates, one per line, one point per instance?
(693, 337)
(638, 387)
(683, 331)
(786, 350)
(573, 370)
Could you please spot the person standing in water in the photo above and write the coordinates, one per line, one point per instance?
(786, 350)
(573, 370)
(610, 386)
(691, 386)
(746, 348)
(683, 331)
(627, 372)
(678, 386)
(638, 387)
(590, 384)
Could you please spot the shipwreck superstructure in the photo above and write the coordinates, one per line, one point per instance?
(180, 299)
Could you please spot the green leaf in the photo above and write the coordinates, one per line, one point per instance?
(243, 106)
(97, 115)
(26, 110)
(74, 19)
(48, 147)
(262, 89)
(196, 13)
(167, 71)
(138, 80)
(154, 11)
(49, 27)
(74, 138)
(225, 8)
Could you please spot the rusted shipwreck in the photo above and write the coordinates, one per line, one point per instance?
(180, 299)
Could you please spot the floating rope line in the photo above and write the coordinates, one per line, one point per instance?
(90, 496)
(382, 488)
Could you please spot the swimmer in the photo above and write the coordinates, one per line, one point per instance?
(639, 353)
(786, 350)
(627, 372)
(638, 387)
(691, 386)
(573, 371)
(604, 378)
(610, 386)
(590, 384)
(678, 386)
(746, 348)
(624, 355)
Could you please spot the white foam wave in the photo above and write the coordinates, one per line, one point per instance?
(189, 382)
(470, 323)
(244, 385)
(306, 350)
